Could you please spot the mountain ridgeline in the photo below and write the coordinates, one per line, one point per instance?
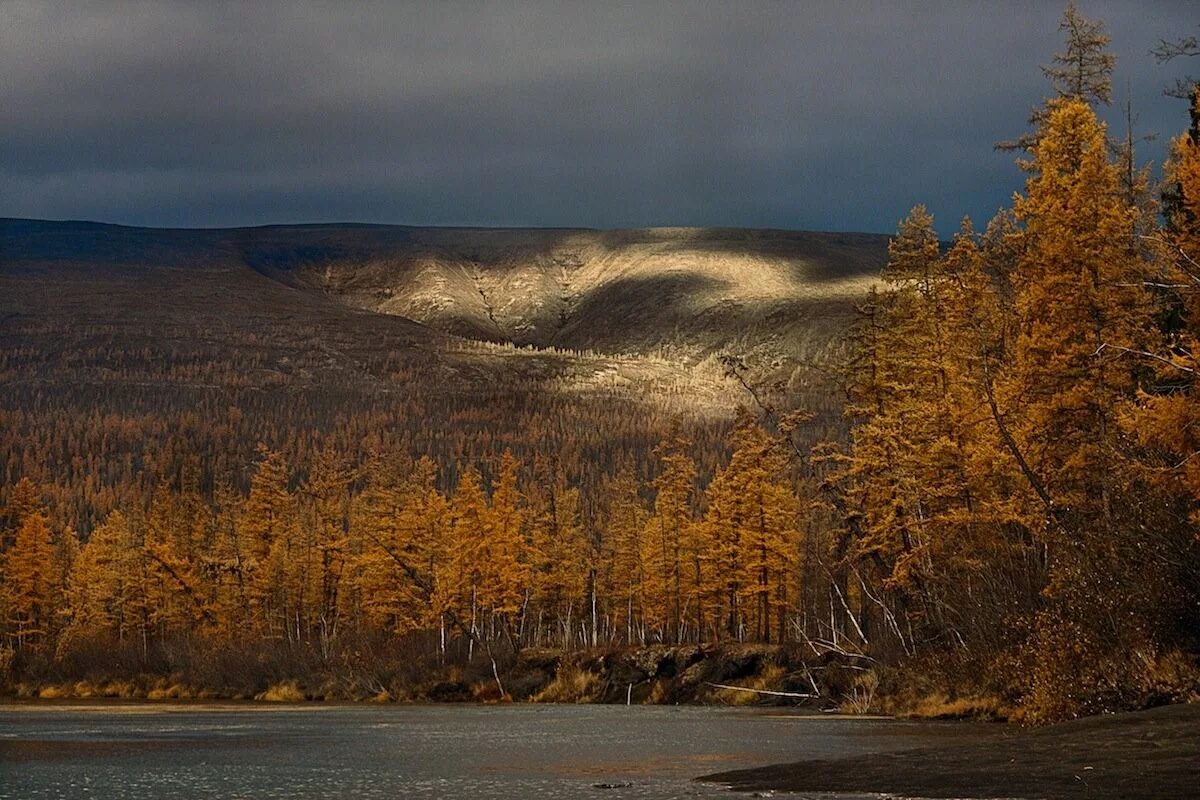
(624, 291)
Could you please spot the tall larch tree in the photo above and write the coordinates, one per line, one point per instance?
(753, 518)
(624, 522)
(505, 564)
(268, 544)
(560, 554)
(1168, 417)
(462, 572)
(1084, 315)
(30, 582)
(666, 535)
(327, 494)
(897, 391)
(226, 567)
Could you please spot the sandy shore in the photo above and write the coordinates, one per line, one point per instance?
(1147, 754)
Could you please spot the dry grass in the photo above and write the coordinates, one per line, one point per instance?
(768, 679)
(571, 684)
(658, 692)
(285, 692)
(115, 689)
(1174, 674)
(940, 706)
(175, 691)
(862, 696)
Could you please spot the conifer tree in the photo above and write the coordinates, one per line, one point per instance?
(1083, 309)
(110, 590)
(23, 500)
(560, 557)
(273, 570)
(327, 491)
(462, 573)
(506, 575)
(624, 522)
(900, 388)
(1085, 314)
(179, 598)
(227, 567)
(403, 573)
(30, 583)
(665, 538)
(1083, 71)
(752, 518)
(1167, 418)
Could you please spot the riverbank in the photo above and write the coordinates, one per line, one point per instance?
(1139, 755)
(728, 674)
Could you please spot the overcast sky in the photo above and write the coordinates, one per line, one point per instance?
(817, 115)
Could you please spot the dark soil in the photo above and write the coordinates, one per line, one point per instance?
(1144, 754)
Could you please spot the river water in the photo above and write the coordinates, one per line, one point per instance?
(185, 751)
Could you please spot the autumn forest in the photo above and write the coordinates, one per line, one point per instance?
(992, 493)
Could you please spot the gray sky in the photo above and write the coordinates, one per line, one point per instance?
(830, 115)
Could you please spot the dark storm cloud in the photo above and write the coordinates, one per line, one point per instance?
(816, 115)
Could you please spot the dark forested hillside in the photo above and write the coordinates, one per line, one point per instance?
(144, 348)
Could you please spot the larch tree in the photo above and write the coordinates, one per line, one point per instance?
(1080, 297)
(30, 582)
(23, 500)
(1168, 418)
(623, 523)
(505, 569)
(110, 592)
(327, 494)
(1084, 312)
(268, 543)
(173, 526)
(560, 557)
(404, 523)
(899, 391)
(226, 567)
(461, 576)
(754, 538)
(666, 538)
(1083, 71)
(96, 597)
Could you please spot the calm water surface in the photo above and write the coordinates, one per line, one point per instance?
(181, 752)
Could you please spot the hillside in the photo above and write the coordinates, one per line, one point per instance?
(487, 339)
(694, 290)
(772, 296)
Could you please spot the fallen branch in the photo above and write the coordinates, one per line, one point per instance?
(799, 695)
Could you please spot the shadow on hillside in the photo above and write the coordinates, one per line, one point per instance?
(682, 307)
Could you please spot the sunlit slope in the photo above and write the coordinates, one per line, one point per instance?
(638, 313)
(687, 291)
